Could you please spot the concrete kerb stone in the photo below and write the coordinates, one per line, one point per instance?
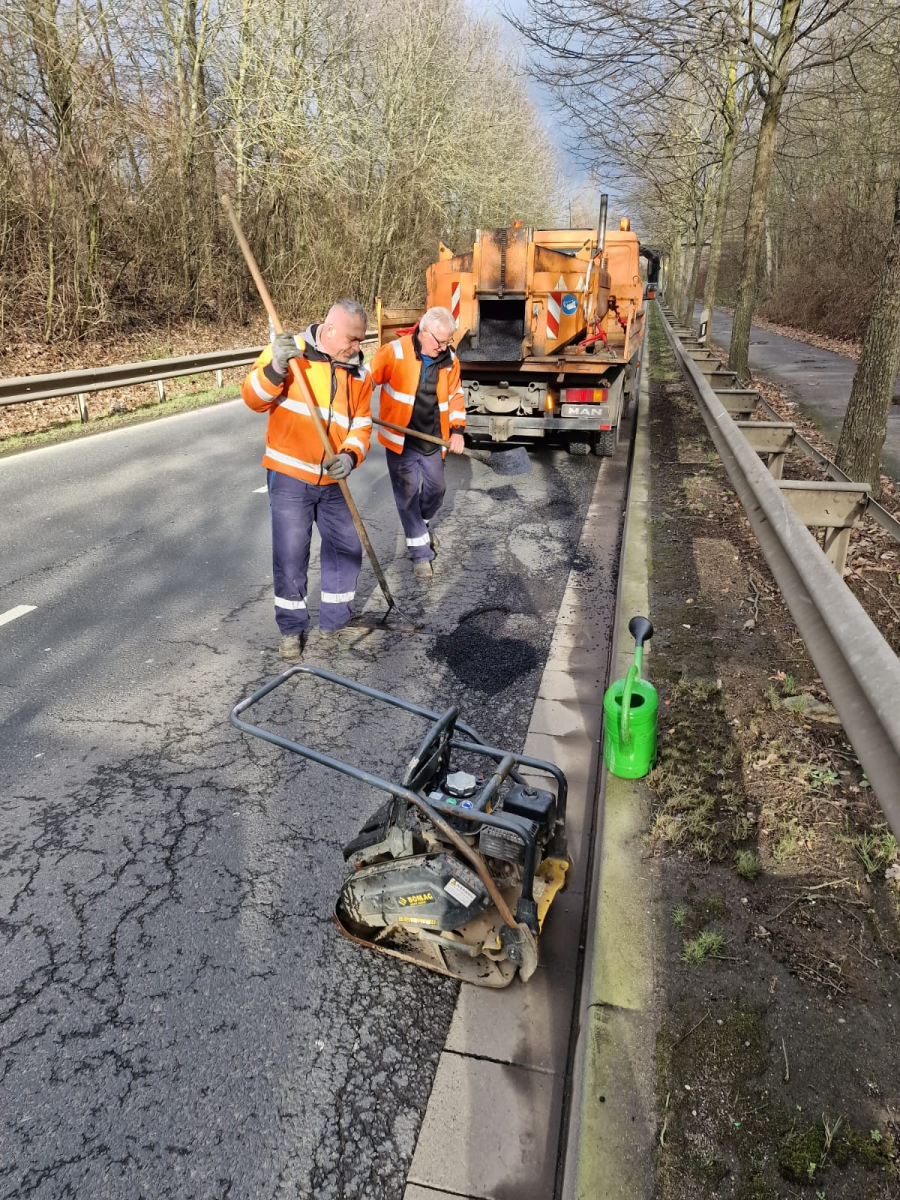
(507, 1052)
(492, 1133)
(611, 1110)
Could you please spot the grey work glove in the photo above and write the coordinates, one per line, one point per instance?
(339, 467)
(284, 348)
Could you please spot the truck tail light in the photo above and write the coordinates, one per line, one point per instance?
(586, 395)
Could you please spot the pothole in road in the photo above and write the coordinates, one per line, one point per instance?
(484, 651)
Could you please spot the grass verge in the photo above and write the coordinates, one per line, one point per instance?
(778, 1058)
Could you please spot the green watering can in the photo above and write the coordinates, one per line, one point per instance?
(630, 708)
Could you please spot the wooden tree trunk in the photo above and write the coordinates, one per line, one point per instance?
(759, 189)
(739, 351)
(729, 142)
(51, 258)
(700, 238)
(865, 423)
(673, 283)
(687, 266)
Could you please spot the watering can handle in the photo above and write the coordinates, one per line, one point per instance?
(625, 714)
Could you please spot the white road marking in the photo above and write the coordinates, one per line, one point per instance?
(264, 488)
(19, 611)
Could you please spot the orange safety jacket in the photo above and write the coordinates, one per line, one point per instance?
(343, 392)
(396, 372)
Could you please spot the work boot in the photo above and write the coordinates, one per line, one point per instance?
(348, 634)
(290, 646)
(433, 537)
(423, 569)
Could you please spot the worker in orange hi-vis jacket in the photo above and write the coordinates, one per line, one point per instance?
(303, 476)
(418, 382)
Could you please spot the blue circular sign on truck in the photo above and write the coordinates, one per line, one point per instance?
(569, 304)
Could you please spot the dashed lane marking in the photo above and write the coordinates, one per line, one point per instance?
(19, 611)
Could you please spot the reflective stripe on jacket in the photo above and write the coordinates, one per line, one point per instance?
(396, 372)
(344, 397)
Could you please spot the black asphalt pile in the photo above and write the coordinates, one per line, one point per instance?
(499, 340)
(511, 462)
(483, 655)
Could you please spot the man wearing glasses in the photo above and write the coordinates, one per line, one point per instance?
(417, 379)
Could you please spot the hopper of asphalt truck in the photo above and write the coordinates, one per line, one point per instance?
(528, 296)
(549, 330)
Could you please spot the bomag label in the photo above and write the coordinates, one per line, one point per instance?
(418, 898)
(417, 920)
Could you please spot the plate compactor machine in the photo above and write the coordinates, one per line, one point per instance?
(457, 869)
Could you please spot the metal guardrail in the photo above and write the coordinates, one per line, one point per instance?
(96, 379)
(876, 511)
(25, 388)
(855, 663)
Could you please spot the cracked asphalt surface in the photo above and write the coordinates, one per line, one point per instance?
(178, 1015)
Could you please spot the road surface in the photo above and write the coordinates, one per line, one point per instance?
(178, 1016)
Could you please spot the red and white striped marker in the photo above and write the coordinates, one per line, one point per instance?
(454, 300)
(554, 299)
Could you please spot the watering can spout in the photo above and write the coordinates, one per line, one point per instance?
(640, 629)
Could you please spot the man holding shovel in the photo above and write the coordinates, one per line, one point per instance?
(302, 475)
(419, 382)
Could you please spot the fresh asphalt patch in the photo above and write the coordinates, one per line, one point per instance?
(481, 653)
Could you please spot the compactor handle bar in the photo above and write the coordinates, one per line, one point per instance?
(507, 764)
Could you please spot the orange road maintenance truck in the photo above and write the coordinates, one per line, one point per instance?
(550, 325)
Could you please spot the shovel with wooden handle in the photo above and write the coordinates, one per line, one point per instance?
(515, 462)
(312, 405)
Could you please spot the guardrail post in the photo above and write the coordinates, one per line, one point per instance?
(771, 440)
(161, 390)
(81, 397)
(834, 507)
(738, 403)
(707, 366)
(836, 545)
(220, 379)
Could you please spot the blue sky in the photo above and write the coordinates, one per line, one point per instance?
(556, 126)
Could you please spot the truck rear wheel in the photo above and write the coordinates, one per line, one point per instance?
(575, 446)
(605, 445)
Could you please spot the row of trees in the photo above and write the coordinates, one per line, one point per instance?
(760, 147)
(350, 133)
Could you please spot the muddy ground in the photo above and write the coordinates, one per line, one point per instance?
(779, 1056)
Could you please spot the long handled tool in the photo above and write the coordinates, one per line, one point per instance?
(505, 462)
(313, 407)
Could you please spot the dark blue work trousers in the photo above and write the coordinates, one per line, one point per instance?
(295, 507)
(418, 483)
